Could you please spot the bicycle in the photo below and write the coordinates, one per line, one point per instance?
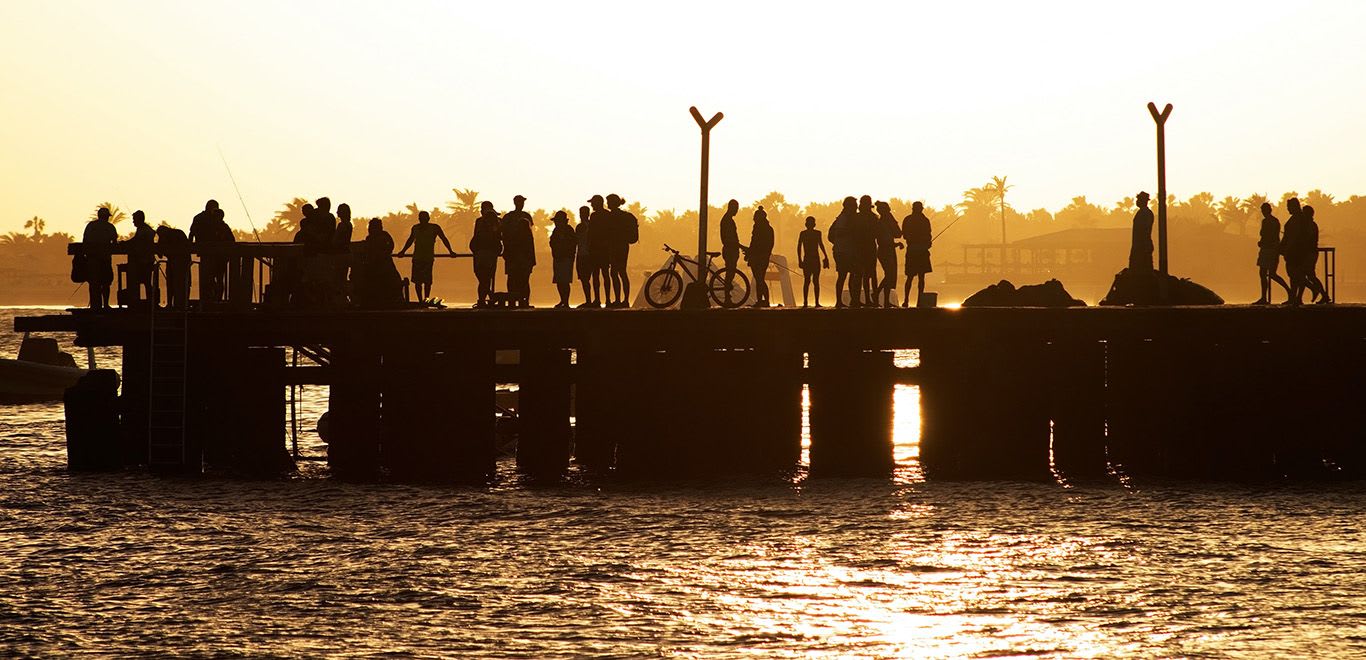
(665, 286)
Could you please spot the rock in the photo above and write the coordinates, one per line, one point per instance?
(1004, 294)
(1144, 288)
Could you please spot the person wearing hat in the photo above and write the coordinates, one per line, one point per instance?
(422, 238)
(486, 245)
(1141, 250)
(101, 235)
(757, 255)
(563, 245)
(600, 236)
(625, 231)
(519, 252)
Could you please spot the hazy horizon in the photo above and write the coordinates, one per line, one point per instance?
(382, 107)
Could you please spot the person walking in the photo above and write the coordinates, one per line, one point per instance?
(1269, 255)
(563, 245)
(812, 258)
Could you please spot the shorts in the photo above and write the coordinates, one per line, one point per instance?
(918, 262)
(619, 254)
(563, 271)
(422, 271)
(485, 264)
(1269, 258)
(844, 260)
(586, 266)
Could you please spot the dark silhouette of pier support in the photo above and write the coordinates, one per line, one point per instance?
(851, 413)
(1074, 378)
(93, 431)
(354, 411)
(545, 438)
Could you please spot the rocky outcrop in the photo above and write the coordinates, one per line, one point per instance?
(1005, 294)
(1144, 287)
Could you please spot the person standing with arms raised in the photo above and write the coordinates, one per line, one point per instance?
(587, 269)
(730, 245)
(99, 237)
(486, 245)
(625, 231)
(915, 230)
(519, 252)
(422, 238)
(759, 252)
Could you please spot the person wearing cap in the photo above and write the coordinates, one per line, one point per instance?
(422, 238)
(757, 255)
(1141, 250)
(600, 236)
(587, 270)
(563, 245)
(142, 260)
(625, 231)
(101, 235)
(519, 252)
(486, 245)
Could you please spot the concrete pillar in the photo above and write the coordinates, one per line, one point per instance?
(426, 416)
(469, 406)
(851, 413)
(604, 390)
(544, 434)
(252, 409)
(354, 412)
(1075, 375)
(93, 436)
(134, 399)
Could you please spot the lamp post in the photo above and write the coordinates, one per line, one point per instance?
(697, 298)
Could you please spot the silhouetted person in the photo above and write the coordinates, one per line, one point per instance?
(759, 252)
(325, 225)
(341, 246)
(1141, 249)
(842, 243)
(1293, 243)
(1269, 255)
(811, 255)
(730, 245)
(205, 233)
(142, 260)
(915, 230)
(625, 231)
(600, 236)
(100, 235)
(202, 220)
(422, 238)
(214, 267)
(865, 241)
(888, 233)
(563, 245)
(486, 245)
(585, 264)
(519, 252)
(380, 284)
(174, 245)
(1311, 257)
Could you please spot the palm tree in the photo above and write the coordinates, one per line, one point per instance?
(998, 188)
(116, 215)
(467, 201)
(1232, 212)
(37, 224)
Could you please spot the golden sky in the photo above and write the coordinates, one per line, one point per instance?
(380, 104)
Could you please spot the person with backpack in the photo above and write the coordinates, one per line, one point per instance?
(625, 231)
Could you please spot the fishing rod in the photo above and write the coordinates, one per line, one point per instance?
(941, 231)
(240, 199)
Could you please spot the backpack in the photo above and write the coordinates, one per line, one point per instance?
(632, 228)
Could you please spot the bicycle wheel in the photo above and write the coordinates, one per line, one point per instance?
(663, 289)
(738, 292)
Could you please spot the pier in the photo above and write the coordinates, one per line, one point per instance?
(1226, 392)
